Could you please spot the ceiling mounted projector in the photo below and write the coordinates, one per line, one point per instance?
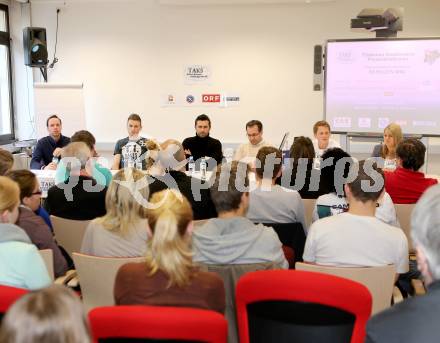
(386, 22)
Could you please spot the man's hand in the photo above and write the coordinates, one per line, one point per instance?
(187, 152)
(51, 166)
(57, 152)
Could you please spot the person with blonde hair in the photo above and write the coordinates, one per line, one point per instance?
(80, 197)
(20, 263)
(53, 314)
(168, 277)
(153, 165)
(122, 231)
(392, 136)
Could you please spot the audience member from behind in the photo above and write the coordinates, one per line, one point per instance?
(130, 151)
(356, 238)
(247, 152)
(172, 157)
(406, 184)
(202, 144)
(301, 175)
(122, 232)
(416, 319)
(232, 238)
(101, 174)
(79, 197)
(20, 262)
(6, 161)
(35, 227)
(169, 277)
(153, 165)
(53, 314)
(333, 201)
(322, 140)
(271, 203)
(48, 150)
(392, 136)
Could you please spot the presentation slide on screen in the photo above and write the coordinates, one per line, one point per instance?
(372, 83)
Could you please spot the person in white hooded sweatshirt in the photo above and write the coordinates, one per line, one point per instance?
(232, 238)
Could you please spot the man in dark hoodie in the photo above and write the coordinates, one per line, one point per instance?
(232, 238)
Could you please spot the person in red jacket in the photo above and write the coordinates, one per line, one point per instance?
(407, 184)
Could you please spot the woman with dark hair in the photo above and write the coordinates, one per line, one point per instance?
(334, 172)
(35, 227)
(301, 171)
(407, 184)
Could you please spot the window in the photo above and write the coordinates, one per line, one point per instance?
(6, 108)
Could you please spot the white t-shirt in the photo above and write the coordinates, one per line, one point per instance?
(348, 240)
(331, 144)
(331, 204)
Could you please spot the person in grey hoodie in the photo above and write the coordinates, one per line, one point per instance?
(232, 238)
(20, 263)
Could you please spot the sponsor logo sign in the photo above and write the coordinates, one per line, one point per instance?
(211, 97)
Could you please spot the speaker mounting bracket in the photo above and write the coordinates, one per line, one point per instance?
(43, 70)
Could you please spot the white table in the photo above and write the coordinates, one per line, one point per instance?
(47, 178)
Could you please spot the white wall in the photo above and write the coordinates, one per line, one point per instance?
(129, 52)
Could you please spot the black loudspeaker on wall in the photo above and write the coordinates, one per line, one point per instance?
(35, 46)
(317, 68)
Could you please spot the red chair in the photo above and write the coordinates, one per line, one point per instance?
(157, 323)
(297, 306)
(8, 295)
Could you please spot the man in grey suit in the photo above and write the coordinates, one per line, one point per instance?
(417, 319)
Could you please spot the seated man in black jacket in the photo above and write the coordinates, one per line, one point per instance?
(202, 144)
(80, 197)
(172, 157)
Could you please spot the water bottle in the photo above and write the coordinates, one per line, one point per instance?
(191, 165)
(55, 160)
(203, 167)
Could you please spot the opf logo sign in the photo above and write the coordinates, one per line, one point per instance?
(211, 97)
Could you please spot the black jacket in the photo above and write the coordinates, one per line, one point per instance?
(190, 187)
(76, 201)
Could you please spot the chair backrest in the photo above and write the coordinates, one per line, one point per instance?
(378, 280)
(47, 256)
(403, 212)
(96, 277)
(309, 205)
(291, 235)
(157, 323)
(69, 233)
(230, 274)
(8, 295)
(299, 306)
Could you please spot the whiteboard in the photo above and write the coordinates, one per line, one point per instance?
(64, 100)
